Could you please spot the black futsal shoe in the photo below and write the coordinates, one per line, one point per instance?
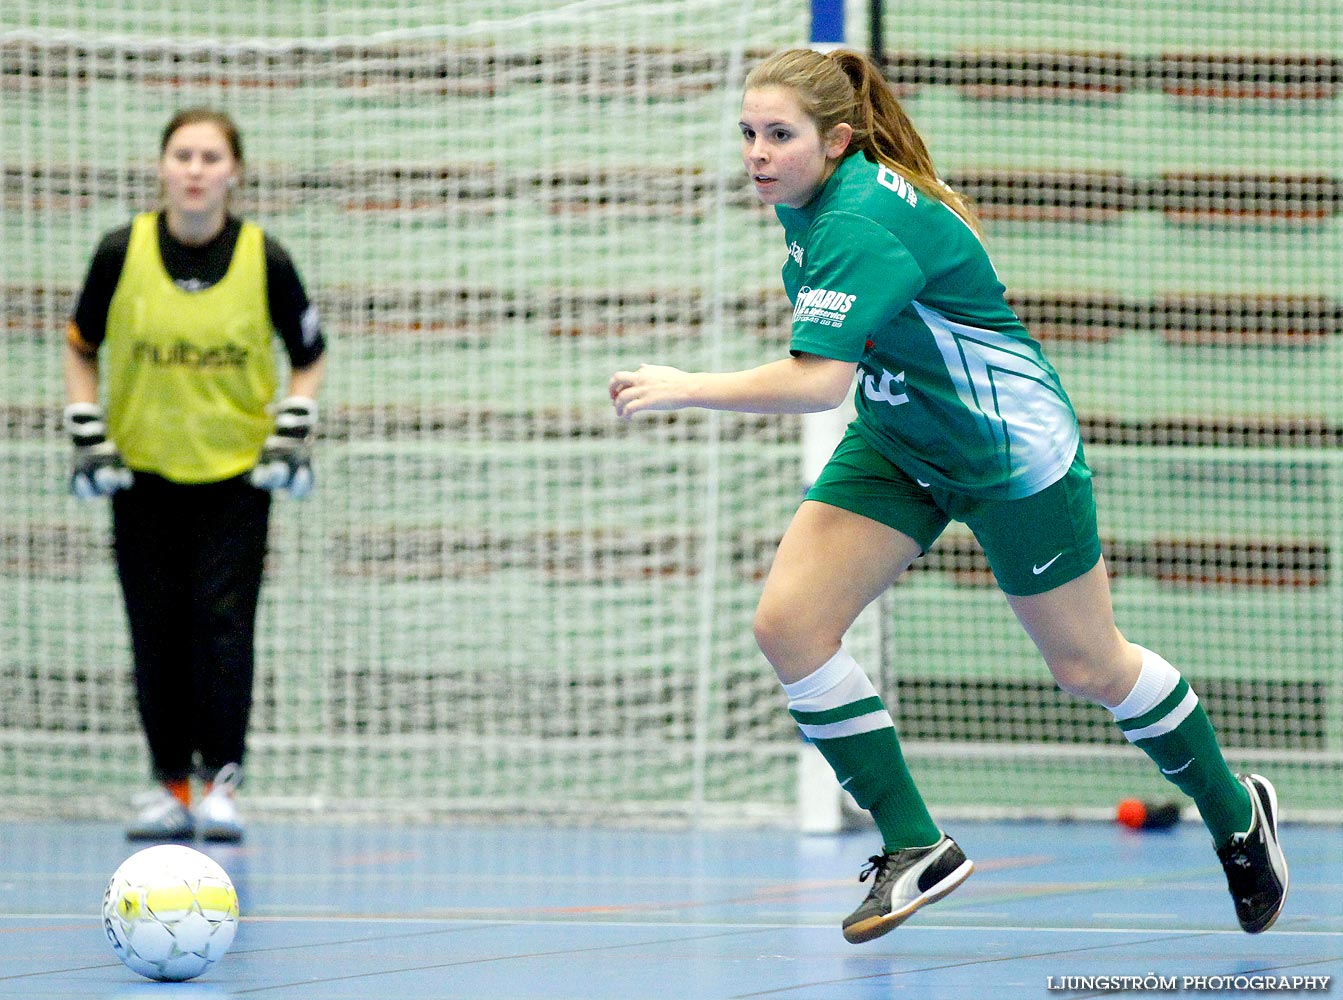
(1256, 871)
(903, 881)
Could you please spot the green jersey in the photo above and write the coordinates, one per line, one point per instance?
(951, 387)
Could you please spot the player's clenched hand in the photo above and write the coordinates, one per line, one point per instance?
(649, 387)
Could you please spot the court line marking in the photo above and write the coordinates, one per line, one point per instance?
(571, 921)
(718, 932)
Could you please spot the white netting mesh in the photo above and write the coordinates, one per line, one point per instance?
(500, 596)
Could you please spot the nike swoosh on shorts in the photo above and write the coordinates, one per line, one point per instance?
(1037, 570)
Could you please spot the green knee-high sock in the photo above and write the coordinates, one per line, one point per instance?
(838, 709)
(1163, 718)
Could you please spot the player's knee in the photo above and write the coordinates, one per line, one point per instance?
(768, 632)
(794, 642)
(1095, 680)
(1072, 678)
(779, 632)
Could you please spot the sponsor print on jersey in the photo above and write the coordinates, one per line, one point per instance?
(182, 353)
(822, 306)
(888, 178)
(309, 324)
(890, 390)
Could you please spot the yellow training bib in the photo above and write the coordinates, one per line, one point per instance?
(189, 374)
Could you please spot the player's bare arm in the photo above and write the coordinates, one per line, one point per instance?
(306, 381)
(81, 375)
(802, 384)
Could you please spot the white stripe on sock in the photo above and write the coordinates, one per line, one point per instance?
(1167, 722)
(848, 727)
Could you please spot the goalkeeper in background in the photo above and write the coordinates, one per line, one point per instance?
(960, 416)
(175, 326)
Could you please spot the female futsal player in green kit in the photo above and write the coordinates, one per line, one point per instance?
(960, 416)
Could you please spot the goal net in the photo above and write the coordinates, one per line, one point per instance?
(501, 598)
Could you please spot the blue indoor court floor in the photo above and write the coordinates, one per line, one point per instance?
(504, 912)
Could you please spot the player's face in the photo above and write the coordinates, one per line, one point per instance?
(785, 156)
(197, 170)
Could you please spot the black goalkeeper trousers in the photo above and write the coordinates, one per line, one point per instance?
(190, 561)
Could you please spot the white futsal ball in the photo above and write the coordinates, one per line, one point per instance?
(170, 912)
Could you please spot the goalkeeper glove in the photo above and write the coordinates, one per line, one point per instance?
(286, 457)
(98, 470)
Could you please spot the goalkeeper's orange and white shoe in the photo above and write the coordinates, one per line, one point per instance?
(217, 816)
(160, 816)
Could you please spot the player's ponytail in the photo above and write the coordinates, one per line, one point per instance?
(846, 86)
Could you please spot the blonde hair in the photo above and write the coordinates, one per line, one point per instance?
(845, 86)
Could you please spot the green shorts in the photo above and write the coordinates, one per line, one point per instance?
(1033, 544)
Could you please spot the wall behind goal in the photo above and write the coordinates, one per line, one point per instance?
(500, 597)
